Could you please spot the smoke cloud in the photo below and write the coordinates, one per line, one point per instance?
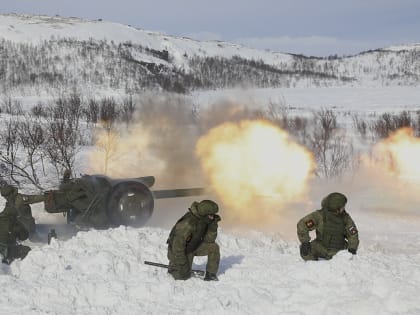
(160, 142)
(258, 175)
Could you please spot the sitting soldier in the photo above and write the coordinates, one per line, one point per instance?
(335, 230)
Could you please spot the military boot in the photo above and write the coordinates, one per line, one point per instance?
(16, 252)
(210, 277)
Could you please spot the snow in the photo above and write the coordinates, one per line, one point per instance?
(363, 99)
(102, 272)
(261, 272)
(34, 29)
(412, 46)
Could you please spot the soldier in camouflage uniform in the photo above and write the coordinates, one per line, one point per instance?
(19, 206)
(335, 230)
(16, 221)
(195, 235)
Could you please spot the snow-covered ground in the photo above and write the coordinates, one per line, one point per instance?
(345, 99)
(261, 272)
(102, 272)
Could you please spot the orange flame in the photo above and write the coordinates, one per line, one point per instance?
(399, 155)
(254, 168)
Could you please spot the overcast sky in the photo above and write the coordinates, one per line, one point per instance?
(310, 27)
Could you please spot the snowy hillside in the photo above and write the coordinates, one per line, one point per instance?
(35, 29)
(52, 55)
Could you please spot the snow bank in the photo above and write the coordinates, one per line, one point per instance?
(102, 272)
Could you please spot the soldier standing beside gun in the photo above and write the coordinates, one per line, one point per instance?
(195, 235)
(16, 221)
(335, 230)
(19, 206)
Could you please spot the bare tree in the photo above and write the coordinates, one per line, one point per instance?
(32, 137)
(10, 106)
(64, 133)
(360, 125)
(22, 150)
(127, 110)
(9, 148)
(108, 111)
(29, 141)
(92, 111)
(39, 110)
(280, 114)
(339, 157)
(328, 143)
(107, 143)
(388, 123)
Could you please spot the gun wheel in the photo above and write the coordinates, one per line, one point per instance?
(130, 204)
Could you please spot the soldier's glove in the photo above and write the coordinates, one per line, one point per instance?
(352, 250)
(305, 248)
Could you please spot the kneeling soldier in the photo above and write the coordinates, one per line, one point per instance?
(194, 235)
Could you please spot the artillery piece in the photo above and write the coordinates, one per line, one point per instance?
(101, 202)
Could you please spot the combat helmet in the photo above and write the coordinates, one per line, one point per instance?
(334, 201)
(205, 207)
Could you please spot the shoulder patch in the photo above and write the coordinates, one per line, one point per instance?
(310, 224)
(353, 230)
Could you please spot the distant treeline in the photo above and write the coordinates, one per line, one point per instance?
(61, 64)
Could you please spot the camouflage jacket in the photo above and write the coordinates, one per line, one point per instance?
(19, 205)
(329, 226)
(188, 234)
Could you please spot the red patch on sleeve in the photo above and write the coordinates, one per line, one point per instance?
(352, 230)
(310, 224)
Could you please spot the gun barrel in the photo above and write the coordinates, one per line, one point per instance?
(174, 193)
(155, 264)
(194, 271)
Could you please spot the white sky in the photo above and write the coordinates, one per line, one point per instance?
(310, 27)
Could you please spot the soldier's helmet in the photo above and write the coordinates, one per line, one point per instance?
(334, 201)
(206, 207)
(66, 174)
(8, 190)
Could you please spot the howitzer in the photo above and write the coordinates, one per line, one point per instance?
(101, 202)
(194, 272)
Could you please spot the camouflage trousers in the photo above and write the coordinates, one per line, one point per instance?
(28, 222)
(320, 251)
(211, 250)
